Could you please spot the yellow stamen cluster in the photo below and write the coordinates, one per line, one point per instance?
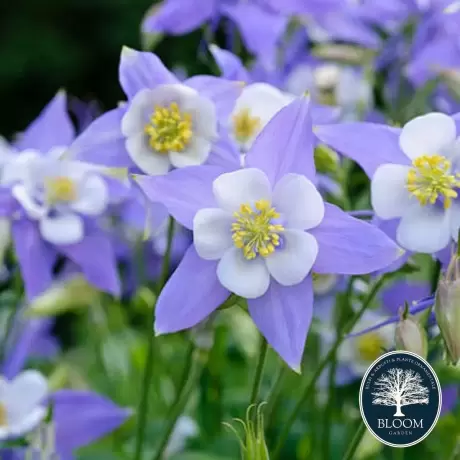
(3, 416)
(430, 178)
(245, 126)
(60, 189)
(169, 129)
(254, 232)
(370, 346)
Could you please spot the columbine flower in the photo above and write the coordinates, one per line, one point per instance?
(414, 175)
(21, 404)
(53, 204)
(165, 123)
(59, 194)
(258, 232)
(361, 351)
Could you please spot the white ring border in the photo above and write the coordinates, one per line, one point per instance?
(361, 399)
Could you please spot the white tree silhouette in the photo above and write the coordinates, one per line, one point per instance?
(399, 387)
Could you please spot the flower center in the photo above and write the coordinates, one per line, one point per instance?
(430, 178)
(60, 189)
(370, 346)
(245, 125)
(169, 129)
(3, 416)
(254, 230)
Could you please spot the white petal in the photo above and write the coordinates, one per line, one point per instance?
(455, 219)
(18, 168)
(389, 195)
(424, 229)
(62, 229)
(245, 186)
(29, 421)
(291, 263)
(427, 135)
(195, 154)
(204, 116)
(31, 207)
(145, 158)
(247, 278)
(25, 393)
(137, 115)
(212, 234)
(93, 196)
(298, 201)
(4, 433)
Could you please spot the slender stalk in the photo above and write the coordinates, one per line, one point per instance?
(148, 372)
(435, 272)
(259, 370)
(8, 331)
(274, 397)
(309, 387)
(349, 454)
(183, 395)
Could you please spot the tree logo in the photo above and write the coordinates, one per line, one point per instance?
(400, 399)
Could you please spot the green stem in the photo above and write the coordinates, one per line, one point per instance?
(349, 454)
(183, 396)
(259, 370)
(148, 372)
(8, 330)
(274, 398)
(309, 387)
(436, 271)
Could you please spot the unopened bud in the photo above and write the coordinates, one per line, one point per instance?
(253, 446)
(447, 309)
(411, 336)
(326, 160)
(71, 294)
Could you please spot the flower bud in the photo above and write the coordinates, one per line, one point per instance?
(326, 160)
(254, 446)
(411, 336)
(447, 309)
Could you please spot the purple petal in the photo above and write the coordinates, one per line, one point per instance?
(36, 257)
(229, 64)
(178, 17)
(183, 191)
(225, 153)
(8, 204)
(283, 315)
(394, 297)
(285, 145)
(221, 91)
(449, 398)
(369, 144)
(192, 293)
(441, 54)
(350, 246)
(102, 142)
(33, 339)
(140, 69)
(82, 417)
(389, 227)
(95, 256)
(260, 28)
(51, 128)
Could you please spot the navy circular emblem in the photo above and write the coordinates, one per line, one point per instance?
(400, 399)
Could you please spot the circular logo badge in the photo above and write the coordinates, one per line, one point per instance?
(400, 399)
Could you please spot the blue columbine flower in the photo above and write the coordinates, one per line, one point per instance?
(165, 123)
(414, 175)
(54, 204)
(258, 232)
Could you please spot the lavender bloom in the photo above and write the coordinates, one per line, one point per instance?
(53, 204)
(272, 269)
(166, 123)
(414, 175)
(261, 28)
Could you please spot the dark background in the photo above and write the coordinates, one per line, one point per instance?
(46, 45)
